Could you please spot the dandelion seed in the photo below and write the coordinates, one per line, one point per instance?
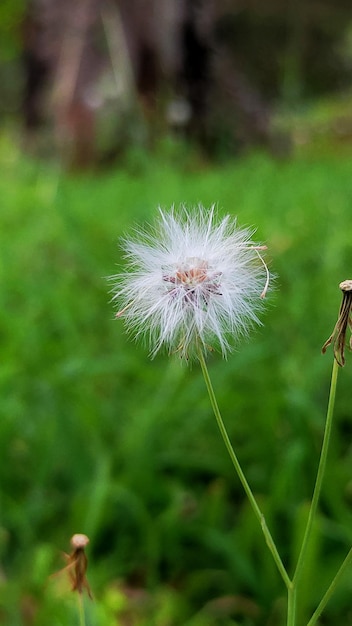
(194, 281)
(338, 336)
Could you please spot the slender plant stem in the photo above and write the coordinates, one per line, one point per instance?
(268, 538)
(291, 606)
(82, 619)
(334, 583)
(320, 475)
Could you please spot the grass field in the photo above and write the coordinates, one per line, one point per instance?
(97, 438)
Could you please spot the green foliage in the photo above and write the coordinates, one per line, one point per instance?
(11, 27)
(96, 438)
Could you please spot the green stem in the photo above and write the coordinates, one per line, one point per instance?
(82, 619)
(320, 475)
(291, 606)
(268, 538)
(331, 589)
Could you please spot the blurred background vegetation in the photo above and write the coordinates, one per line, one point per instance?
(109, 109)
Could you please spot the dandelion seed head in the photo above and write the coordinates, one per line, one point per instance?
(194, 280)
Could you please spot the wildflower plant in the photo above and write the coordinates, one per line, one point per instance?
(195, 283)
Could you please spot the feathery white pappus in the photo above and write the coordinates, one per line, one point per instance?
(193, 281)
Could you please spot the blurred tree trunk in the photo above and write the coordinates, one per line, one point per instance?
(67, 50)
(75, 66)
(293, 57)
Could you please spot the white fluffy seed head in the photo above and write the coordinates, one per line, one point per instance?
(193, 281)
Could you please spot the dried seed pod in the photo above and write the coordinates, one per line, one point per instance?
(338, 335)
(77, 564)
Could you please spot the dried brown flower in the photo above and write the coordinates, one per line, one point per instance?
(338, 336)
(77, 564)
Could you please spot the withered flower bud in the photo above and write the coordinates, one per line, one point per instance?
(77, 564)
(338, 336)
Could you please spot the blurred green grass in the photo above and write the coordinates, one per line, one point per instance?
(97, 438)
